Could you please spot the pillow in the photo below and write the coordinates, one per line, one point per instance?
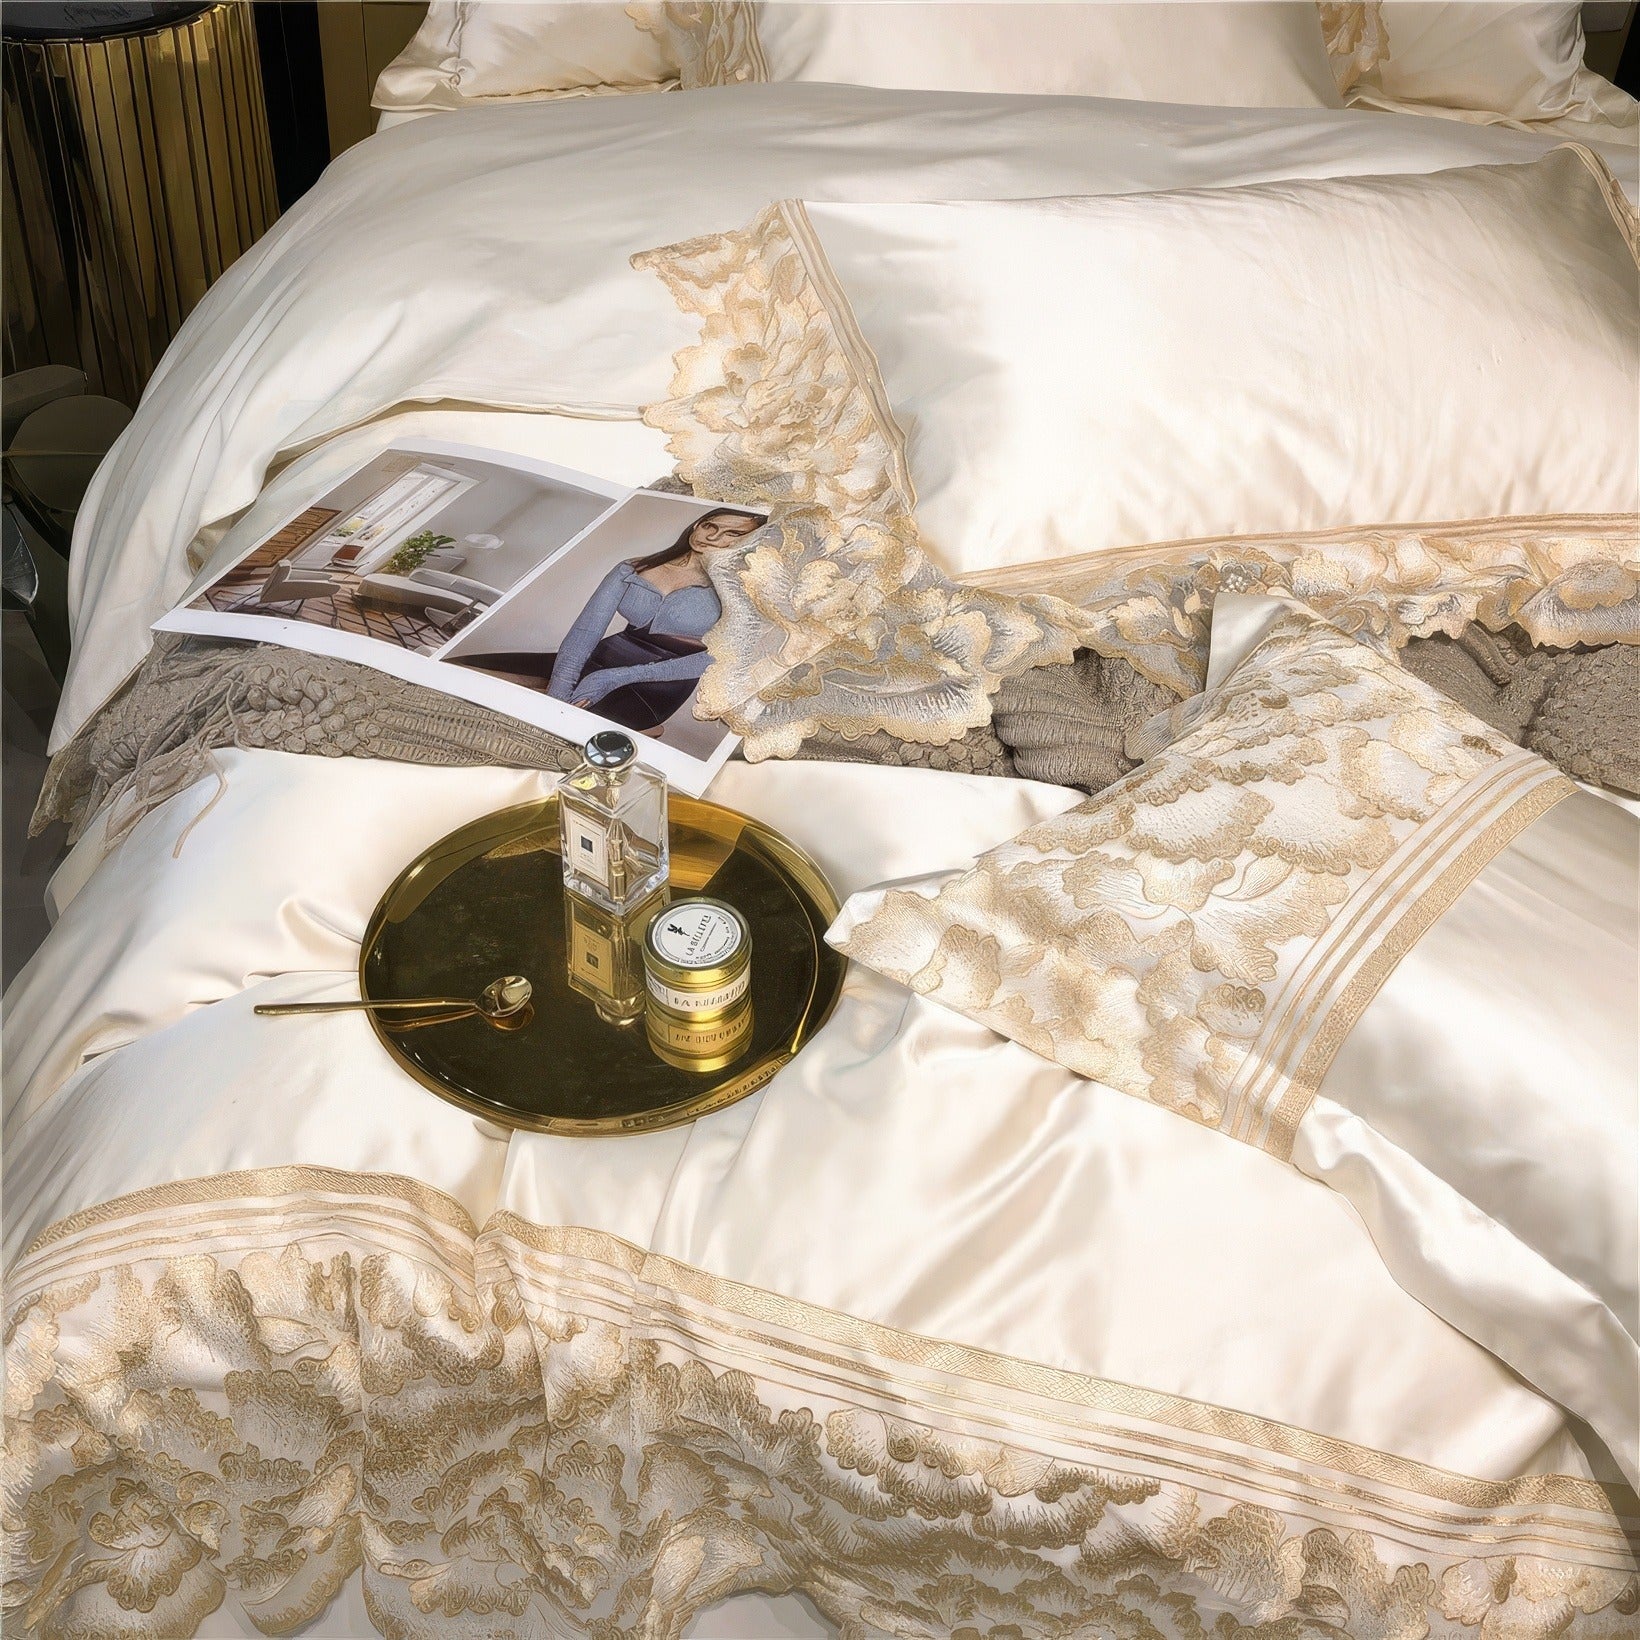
(1251, 54)
(1496, 63)
(1314, 369)
(1344, 921)
(467, 53)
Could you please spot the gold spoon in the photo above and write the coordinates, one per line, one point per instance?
(505, 1003)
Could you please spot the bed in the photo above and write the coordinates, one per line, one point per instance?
(1045, 1293)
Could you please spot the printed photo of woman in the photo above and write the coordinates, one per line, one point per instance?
(639, 676)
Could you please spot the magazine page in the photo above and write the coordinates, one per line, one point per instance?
(549, 595)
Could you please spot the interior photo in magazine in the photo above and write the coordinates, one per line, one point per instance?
(551, 595)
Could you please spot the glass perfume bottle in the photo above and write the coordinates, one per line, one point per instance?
(612, 819)
(604, 955)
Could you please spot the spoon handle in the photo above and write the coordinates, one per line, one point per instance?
(363, 1005)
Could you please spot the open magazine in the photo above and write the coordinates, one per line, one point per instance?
(552, 596)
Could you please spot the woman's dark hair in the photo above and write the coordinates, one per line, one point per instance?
(680, 547)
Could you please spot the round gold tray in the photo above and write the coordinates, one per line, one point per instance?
(489, 900)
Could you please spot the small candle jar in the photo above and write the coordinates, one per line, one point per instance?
(699, 1045)
(697, 958)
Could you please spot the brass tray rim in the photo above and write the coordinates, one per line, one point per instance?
(499, 825)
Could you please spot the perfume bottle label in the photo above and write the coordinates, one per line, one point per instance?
(591, 957)
(586, 848)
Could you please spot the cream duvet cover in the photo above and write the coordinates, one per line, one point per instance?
(485, 260)
(931, 1332)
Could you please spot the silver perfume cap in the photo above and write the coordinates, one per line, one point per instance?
(610, 749)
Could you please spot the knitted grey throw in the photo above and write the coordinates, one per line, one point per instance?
(1082, 724)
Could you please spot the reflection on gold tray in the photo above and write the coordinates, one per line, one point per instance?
(489, 899)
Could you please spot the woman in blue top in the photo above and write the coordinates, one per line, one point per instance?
(638, 677)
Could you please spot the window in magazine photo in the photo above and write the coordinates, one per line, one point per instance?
(555, 597)
(408, 550)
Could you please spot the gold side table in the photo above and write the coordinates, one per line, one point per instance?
(137, 168)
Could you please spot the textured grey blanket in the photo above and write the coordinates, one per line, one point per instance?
(1082, 724)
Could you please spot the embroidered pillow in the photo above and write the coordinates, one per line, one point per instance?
(1345, 921)
(1250, 54)
(917, 467)
(465, 54)
(1493, 64)
(1235, 386)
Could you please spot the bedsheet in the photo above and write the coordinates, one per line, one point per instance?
(483, 260)
(928, 1330)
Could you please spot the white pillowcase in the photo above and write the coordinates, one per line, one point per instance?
(1249, 54)
(466, 53)
(1075, 376)
(1510, 63)
(1343, 920)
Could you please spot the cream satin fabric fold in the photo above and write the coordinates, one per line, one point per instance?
(1484, 1114)
(1247, 54)
(1448, 1039)
(1280, 358)
(1516, 63)
(369, 293)
(969, 1189)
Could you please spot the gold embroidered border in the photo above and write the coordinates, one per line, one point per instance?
(1308, 991)
(1357, 38)
(1609, 530)
(832, 1328)
(715, 42)
(1414, 922)
(851, 341)
(1564, 578)
(833, 617)
(550, 1430)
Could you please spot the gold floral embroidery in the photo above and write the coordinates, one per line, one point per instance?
(1565, 580)
(836, 621)
(833, 617)
(1357, 38)
(1188, 935)
(519, 1431)
(713, 41)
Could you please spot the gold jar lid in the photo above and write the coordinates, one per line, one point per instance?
(699, 1045)
(697, 956)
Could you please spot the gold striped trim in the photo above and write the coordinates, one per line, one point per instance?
(835, 1330)
(1620, 529)
(1396, 908)
(251, 1184)
(1306, 990)
(849, 340)
(1411, 927)
(1144, 1447)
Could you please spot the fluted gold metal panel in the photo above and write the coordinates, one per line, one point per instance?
(136, 169)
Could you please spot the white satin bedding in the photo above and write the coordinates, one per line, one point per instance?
(910, 1169)
(526, 298)
(1013, 1344)
(1455, 346)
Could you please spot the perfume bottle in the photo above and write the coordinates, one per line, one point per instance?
(612, 824)
(604, 955)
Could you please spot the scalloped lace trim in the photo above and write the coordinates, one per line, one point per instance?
(834, 619)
